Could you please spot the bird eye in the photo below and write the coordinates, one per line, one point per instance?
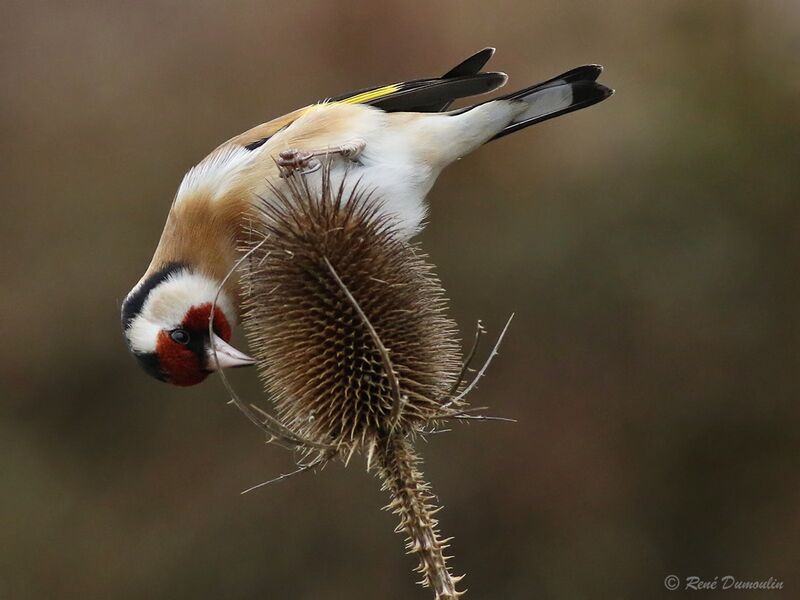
(180, 336)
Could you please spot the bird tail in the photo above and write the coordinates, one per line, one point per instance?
(560, 95)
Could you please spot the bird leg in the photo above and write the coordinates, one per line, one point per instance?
(351, 150)
(306, 161)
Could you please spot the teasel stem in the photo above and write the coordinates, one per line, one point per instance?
(412, 500)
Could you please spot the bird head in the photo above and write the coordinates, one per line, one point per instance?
(165, 319)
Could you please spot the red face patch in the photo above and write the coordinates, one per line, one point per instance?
(181, 364)
(184, 364)
(196, 320)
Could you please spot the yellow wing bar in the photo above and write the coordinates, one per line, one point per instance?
(372, 94)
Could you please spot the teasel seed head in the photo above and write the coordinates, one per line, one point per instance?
(327, 265)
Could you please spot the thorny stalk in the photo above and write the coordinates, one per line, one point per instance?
(413, 502)
(482, 371)
(479, 331)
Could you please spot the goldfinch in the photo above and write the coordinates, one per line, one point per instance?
(394, 139)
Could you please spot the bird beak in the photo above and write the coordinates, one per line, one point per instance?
(227, 355)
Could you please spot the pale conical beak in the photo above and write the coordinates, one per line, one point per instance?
(227, 355)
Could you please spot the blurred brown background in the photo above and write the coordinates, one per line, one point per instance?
(649, 246)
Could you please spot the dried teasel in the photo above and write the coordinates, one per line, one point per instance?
(347, 322)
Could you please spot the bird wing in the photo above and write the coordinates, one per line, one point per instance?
(420, 95)
(427, 95)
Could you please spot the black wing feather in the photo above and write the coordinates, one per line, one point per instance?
(436, 94)
(469, 66)
(439, 92)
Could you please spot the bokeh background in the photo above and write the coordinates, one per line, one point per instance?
(649, 247)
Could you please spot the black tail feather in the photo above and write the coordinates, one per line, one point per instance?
(568, 92)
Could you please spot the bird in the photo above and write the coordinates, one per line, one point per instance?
(394, 139)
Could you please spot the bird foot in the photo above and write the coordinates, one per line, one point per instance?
(292, 160)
